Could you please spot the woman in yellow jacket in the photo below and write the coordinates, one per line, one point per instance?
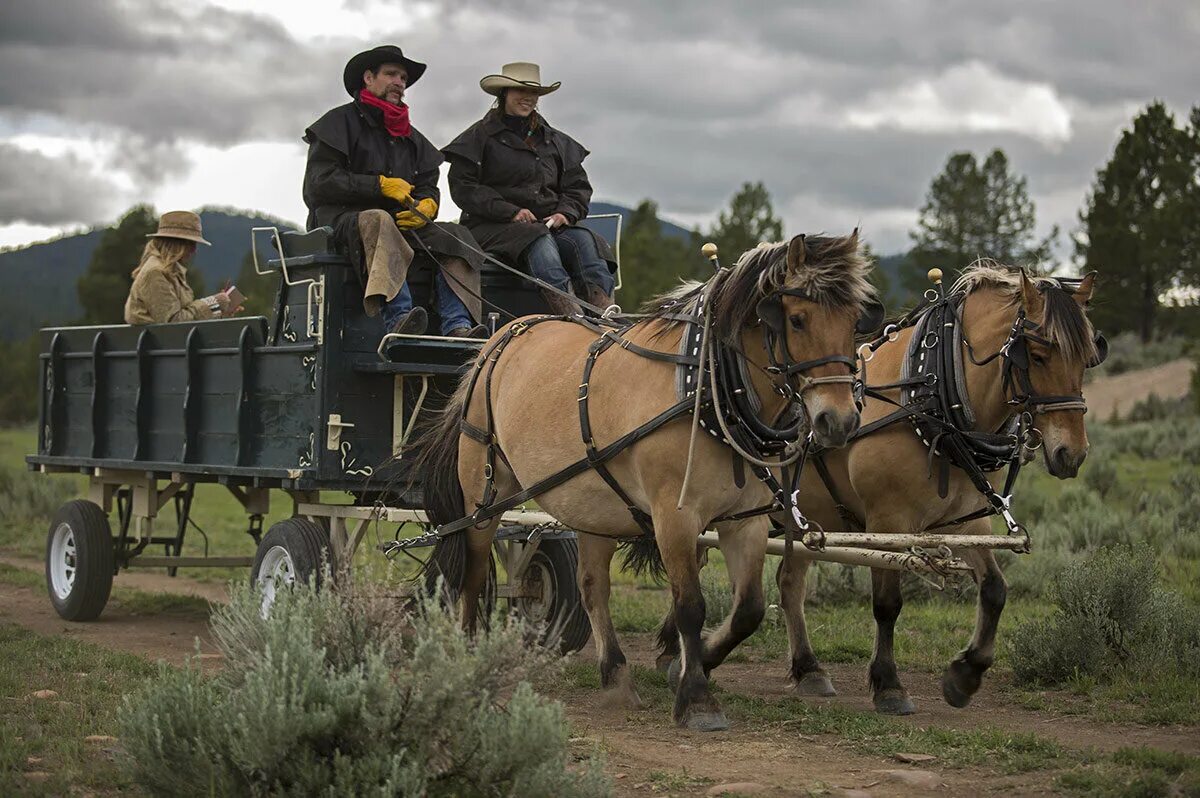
(160, 292)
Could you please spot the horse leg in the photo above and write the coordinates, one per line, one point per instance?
(595, 556)
(476, 569)
(744, 546)
(806, 674)
(668, 632)
(889, 695)
(965, 672)
(695, 707)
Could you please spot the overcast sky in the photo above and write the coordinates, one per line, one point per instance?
(844, 110)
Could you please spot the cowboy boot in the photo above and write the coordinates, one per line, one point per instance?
(597, 297)
(415, 322)
(561, 305)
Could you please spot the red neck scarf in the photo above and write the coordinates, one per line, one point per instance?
(395, 117)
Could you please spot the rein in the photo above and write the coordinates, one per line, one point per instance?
(721, 399)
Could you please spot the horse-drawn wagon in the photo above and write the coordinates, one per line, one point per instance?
(314, 403)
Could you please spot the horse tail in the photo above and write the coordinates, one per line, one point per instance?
(643, 558)
(435, 458)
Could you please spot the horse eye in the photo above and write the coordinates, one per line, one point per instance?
(1038, 358)
(797, 321)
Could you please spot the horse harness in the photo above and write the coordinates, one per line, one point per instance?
(727, 403)
(933, 398)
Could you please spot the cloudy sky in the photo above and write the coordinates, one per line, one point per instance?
(845, 110)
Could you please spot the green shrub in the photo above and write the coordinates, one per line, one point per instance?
(1100, 475)
(1126, 352)
(341, 693)
(29, 500)
(1113, 617)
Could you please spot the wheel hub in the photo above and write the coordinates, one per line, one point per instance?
(63, 561)
(276, 573)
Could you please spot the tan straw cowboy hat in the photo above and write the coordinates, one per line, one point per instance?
(517, 75)
(180, 224)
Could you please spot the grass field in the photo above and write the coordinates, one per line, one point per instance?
(1141, 484)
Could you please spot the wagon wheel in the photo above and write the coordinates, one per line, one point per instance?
(79, 561)
(553, 600)
(448, 560)
(293, 550)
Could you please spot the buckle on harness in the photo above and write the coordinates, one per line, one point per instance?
(487, 471)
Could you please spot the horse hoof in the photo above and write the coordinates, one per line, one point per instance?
(622, 694)
(674, 671)
(706, 721)
(894, 702)
(814, 684)
(956, 690)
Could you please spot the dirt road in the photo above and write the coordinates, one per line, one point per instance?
(647, 755)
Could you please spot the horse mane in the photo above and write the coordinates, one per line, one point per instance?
(1064, 322)
(834, 274)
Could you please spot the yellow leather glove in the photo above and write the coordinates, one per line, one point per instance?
(407, 220)
(396, 188)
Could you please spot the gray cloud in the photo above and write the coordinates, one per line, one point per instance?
(679, 101)
(37, 189)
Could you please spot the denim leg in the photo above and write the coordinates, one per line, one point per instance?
(583, 260)
(544, 262)
(452, 310)
(396, 307)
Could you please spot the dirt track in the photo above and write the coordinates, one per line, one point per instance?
(1122, 392)
(647, 755)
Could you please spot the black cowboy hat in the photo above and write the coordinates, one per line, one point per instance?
(372, 59)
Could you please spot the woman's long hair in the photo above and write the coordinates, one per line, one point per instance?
(168, 250)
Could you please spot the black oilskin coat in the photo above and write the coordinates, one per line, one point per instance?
(494, 173)
(348, 149)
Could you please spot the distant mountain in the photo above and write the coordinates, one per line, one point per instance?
(39, 280)
(668, 228)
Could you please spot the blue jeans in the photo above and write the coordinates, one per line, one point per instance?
(452, 310)
(568, 255)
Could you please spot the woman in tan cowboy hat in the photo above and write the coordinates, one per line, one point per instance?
(522, 190)
(160, 292)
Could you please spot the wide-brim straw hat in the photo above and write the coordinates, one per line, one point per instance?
(180, 224)
(374, 58)
(518, 75)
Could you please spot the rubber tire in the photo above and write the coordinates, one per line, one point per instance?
(306, 543)
(566, 615)
(449, 560)
(94, 561)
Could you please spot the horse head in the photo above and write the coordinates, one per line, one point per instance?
(1047, 360)
(794, 309)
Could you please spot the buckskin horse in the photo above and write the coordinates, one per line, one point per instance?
(974, 380)
(596, 421)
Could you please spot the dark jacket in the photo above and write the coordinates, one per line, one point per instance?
(348, 149)
(494, 173)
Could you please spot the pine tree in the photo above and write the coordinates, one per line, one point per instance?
(651, 262)
(749, 222)
(259, 289)
(1141, 224)
(974, 211)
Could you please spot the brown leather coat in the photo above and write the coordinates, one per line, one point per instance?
(160, 293)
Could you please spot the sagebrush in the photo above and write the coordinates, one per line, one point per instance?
(1112, 617)
(346, 693)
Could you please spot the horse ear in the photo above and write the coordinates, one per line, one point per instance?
(1083, 294)
(872, 317)
(1031, 298)
(796, 253)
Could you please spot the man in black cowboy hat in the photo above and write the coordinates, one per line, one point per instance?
(373, 177)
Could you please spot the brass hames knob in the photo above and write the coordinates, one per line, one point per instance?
(935, 276)
(709, 250)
